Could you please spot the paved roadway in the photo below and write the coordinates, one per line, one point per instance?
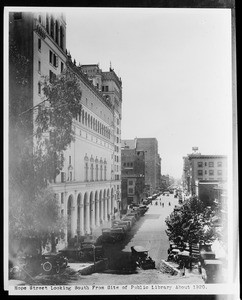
(148, 232)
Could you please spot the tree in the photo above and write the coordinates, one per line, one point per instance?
(191, 224)
(36, 150)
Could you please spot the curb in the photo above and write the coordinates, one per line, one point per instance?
(99, 266)
(169, 268)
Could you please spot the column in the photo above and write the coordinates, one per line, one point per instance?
(97, 213)
(74, 220)
(109, 205)
(87, 215)
(82, 219)
(101, 210)
(92, 207)
(105, 209)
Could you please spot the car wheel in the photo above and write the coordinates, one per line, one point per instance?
(47, 267)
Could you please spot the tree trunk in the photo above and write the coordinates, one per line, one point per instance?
(190, 256)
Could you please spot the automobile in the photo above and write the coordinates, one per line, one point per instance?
(106, 236)
(132, 205)
(173, 254)
(140, 257)
(90, 251)
(143, 209)
(52, 263)
(135, 213)
(132, 219)
(119, 225)
(212, 271)
(127, 223)
(118, 233)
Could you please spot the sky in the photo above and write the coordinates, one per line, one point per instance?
(175, 66)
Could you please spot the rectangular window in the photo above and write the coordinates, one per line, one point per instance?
(63, 176)
(47, 23)
(211, 172)
(200, 164)
(219, 164)
(62, 198)
(39, 88)
(205, 172)
(205, 164)
(131, 182)
(62, 212)
(124, 164)
(69, 160)
(51, 57)
(220, 172)
(130, 190)
(62, 66)
(39, 44)
(55, 61)
(211, 164)
(117, 139)
(200, 172)
(106, 88)
(39, 67)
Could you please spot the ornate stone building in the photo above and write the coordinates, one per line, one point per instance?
(89, 185)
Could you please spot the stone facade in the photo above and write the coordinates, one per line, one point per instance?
(89, 185)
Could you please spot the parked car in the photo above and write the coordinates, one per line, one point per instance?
(212, 271)
(140, 257)
(52, 263)
(89, 249)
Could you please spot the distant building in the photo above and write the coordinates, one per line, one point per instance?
(133, 173)
(152, 159)
(203, 168)
(152, 163)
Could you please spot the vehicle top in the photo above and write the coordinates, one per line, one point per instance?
(139, 249)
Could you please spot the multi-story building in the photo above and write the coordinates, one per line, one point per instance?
(41, 39)
(152, 163)
(89, 184)
(88, 187)
(149, 148)
(133, 172)
(203, 168)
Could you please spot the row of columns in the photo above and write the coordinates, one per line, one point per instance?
(84, 216)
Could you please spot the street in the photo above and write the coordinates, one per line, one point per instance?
(149, 232)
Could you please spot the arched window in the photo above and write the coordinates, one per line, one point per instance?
(96, 178)
(91, 172)
(86, 118)
(86, 171)
(105, 172)
(88, 123)
(101, 172)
